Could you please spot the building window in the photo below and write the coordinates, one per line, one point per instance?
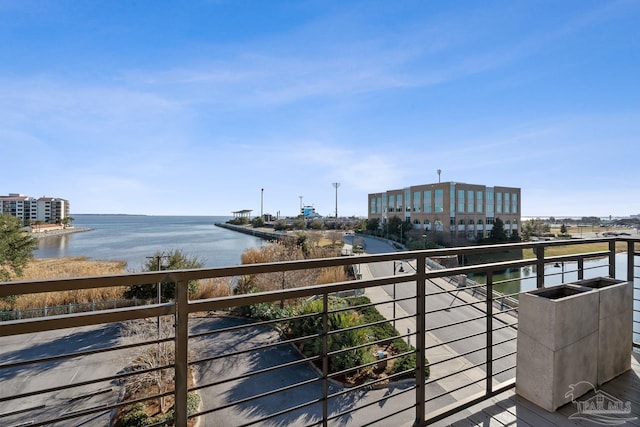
(507, 203)
(452, 221)
(439, 201)
(489, 220)
(426, 201)
(452, 199)
(479, 201)
(416, 201)
(461, 222)
(514, 203)
(498, 202)
(426, 222)
(460, 200)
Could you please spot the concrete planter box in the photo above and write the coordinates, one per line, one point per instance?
(615, 318)
(557, 344)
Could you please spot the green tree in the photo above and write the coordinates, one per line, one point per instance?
(360, 226)
(373, 225)
(280, 225)
(66, 221)
(563, 229)
(174, 260)
(317, 224)
(299, 224)
(257, 222)
(399, 228)
(16, 247)
(497, 233)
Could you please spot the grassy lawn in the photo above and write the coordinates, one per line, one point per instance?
(575, 249)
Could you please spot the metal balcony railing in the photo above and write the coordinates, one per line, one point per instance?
(460, 325)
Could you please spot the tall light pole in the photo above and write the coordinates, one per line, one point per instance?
(439, 172)
(336, 185)
(301, 212)
(261, 202)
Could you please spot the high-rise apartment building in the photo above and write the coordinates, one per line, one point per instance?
(30, 209)
(463, 210)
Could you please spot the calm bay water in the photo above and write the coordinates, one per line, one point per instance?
(132, 238)
(524, 279)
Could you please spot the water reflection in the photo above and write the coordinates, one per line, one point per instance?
(58, 244)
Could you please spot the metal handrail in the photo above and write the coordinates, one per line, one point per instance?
(181, 308)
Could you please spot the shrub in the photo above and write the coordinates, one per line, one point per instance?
(385, 330)
(265, 311)
(239, 221)
(193, 402)
(134, 416)
(173, 260)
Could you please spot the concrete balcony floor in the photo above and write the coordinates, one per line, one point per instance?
(509, 409)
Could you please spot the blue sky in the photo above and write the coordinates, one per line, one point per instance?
(166, 107)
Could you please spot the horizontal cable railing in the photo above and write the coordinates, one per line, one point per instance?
(323, 367)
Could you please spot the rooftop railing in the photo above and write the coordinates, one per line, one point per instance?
(459, 323)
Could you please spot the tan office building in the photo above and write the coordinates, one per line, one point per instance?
(463, 210)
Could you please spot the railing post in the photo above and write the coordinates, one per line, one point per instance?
(612, 258)
(181, 368)
(580, 268)
(539, 251)
(325, 358)
(489, 343)
(421, 377)
(630, 261)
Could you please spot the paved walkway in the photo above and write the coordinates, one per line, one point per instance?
(452, 372)
(437, 354)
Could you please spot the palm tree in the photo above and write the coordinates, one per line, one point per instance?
(66, 221)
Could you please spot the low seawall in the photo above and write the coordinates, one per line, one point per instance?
(267, 235)
(60, 232)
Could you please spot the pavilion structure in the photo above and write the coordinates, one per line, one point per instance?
(245, 213)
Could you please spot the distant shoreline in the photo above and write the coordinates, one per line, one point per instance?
(52, 233)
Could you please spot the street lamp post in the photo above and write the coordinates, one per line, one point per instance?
(336, 185)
